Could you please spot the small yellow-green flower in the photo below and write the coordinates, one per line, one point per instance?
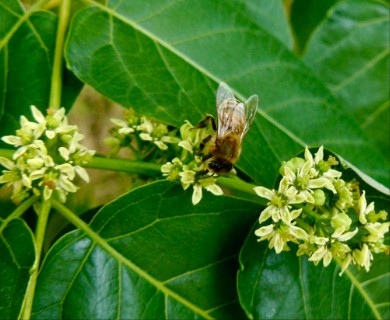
(47, 159)
(280, 201)
(189, 168)
(325, 215)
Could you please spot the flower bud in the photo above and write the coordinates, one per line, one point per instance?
(319, 197)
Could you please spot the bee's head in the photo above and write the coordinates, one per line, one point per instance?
(219, 166)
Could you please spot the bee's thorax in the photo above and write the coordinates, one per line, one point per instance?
(228, 147)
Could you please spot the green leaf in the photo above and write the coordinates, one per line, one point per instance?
(350, 52)
(165, 60)
(17, 254)
(311, 292)
(305, 16)
(268, 15)
(26, 57)
(162, 258)
(283, 286)
(25, 79)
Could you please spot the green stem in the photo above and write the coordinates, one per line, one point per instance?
(39, 238)
(303, 225)
(80, 224)
(153, 170)
(18, 211)
(240, 187)
(115, 164)
(56, 79)
(317, 217)
(237, 184)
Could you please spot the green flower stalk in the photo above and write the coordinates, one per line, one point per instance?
(48, 157)
(326, 216)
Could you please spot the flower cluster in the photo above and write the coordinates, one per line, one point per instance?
(189, 168)
(326, 216)
(142, 135)
(48, 157)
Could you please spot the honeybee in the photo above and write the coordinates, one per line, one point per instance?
(234, 120)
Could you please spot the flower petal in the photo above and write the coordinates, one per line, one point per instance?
(120, 122)
(266, 214)
(215, 189)
(161, 145)
(298, 232)
(196, 194)
(37, 114)
(319, 155)
(7, 163)
(13, 140)
(82, 173)
(279, 243)
(264, 192)
(264, 231)
(187, 145)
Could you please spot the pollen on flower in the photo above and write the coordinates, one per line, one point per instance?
(39, 166)
(328, 217)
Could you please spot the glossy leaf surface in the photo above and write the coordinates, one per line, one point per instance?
(269, 15)
(17, 254)
(165, 60)
(24, 79)
(27, 40)
(305, 16)
(283, 286)
(350, 53)
(167, 259)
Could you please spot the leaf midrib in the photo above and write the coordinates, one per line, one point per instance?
(160, 41)
(21, 20)
(363, 293)
(97, 239)
(191, 62)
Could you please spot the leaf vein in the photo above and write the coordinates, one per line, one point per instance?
(209, 265)
(370, 64)
(375, 279)
(364, 294)
(157, 12)
(10, 251)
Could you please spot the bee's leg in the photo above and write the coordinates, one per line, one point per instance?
(205, 122)
(204, 143)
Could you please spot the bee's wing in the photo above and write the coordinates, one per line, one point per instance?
(250, 108)
(234, 116)
(231, 117)
(224, 93)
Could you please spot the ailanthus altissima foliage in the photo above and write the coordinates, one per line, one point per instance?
(48, 157)
(327, 217)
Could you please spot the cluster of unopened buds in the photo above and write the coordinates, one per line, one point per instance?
(326, 216)
(48, 157)
(189, 168)
(140, 134)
